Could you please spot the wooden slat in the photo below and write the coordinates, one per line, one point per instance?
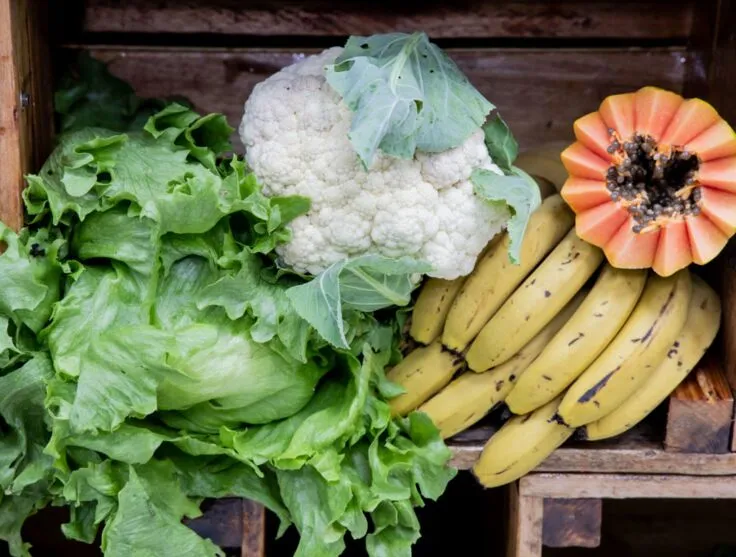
(465, 18)
(639, 451)
(728, 324)
(539, 92)
(722, 61)
(26, 120)
(524, 537)
(253, 543)
(700, 411)
(572, 522)
(722, 93)
(221, 522)
(617, 486)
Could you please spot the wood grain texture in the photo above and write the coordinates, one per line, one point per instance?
(625, 486)
(728, 318)
(539, 92)
(525, 518)
(722, 61)
(701, 411)
(253, 543)
(26, 122)
(572, 522)
(722, 93)
(221, 522)
(464, 18)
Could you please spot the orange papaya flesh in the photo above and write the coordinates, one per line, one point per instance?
(618, 113)
(598, 225)
(673, 249)
(582, 194)
(654, 110)
(582, 162)
(632, 250)
(652, 180)
(706, 240)
(692, 118)
(720, 207)
(718, 141)
(591, 131)
(719, 174)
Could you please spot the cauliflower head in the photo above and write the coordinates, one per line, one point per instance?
(295, 130)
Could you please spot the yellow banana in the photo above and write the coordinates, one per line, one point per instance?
(495, 277)
(431, 308)
(599, 318)
(423, 372)
(472, 395)
(520, 446)
(632, 356)
(701, 326)
(540, 297)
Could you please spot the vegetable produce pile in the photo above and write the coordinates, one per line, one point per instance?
(178, 323)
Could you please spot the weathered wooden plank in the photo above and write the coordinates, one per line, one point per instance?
(722, 60)
(26, 122)
(525, 518)
(728, 319)
(221, 522)
(701, 411)
(572, 522)
(539, 92)
(253, 543)
(721, 67)
(650, 19)
(624, 486)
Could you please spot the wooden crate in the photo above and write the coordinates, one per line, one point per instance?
(543, 63)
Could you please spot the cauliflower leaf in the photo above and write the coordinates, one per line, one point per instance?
(407, 94)
(500, 142)
(519, 192)
(366, 283)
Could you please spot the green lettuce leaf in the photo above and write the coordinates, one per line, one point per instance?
(166, 173)
(30, 276)
(149, 347)
(407, 94)
(91, 96)
(153, 354)
(25, 470)
(148, 520)
(14, 510)
(22, 394)
(255, 291)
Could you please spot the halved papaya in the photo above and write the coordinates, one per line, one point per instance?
(653, 180)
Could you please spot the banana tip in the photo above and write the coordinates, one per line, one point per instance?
(557, 418)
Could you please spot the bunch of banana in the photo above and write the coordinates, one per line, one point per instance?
(560, 354)
(479, 393)
(703, 318)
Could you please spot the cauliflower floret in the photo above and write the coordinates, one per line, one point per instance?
(295, 130)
